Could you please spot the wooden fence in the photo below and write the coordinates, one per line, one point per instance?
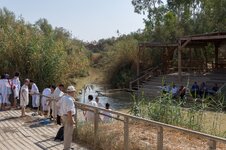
(125, 118)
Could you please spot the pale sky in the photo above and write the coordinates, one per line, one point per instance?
(87, 20)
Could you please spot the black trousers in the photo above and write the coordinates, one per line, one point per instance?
(58, 120)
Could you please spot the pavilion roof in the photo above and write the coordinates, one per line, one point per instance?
(190, 41)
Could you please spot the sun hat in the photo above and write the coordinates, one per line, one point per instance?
(71, 89)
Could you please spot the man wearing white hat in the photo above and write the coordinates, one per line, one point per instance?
(68, 110)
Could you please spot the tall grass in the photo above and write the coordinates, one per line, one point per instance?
(39, 52)
(204, 116)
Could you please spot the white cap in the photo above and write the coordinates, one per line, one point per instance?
(71, 89)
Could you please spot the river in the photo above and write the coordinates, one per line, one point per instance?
(117, 99)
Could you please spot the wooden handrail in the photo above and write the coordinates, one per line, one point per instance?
(147, 70)
(143, 76)
(212, 139)
(220, 89)
(126, 119)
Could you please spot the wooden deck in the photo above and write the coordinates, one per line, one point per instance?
(27, 133)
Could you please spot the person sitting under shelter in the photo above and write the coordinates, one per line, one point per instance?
(214, 89)
(203, 90)
(195, 89)
(165, 88)
(182, 91)
(174, 91)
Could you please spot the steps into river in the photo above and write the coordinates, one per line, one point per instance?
(152, 86)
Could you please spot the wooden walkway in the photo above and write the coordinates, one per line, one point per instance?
(27, 133)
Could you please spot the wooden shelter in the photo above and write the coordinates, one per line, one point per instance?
(192, 41)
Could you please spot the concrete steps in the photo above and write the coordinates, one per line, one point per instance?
(152, 86)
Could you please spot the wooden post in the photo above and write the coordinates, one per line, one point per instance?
(76, 121)
(96, 119)
(160, 138)
(216, 56)
(138, 66)
(190, 58)
(179, 62)
(212, 145)
(126, 133)
(206, 60)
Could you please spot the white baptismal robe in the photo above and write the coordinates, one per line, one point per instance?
(35, 97)
(45, 92)
(17, 85)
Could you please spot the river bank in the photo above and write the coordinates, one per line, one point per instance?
(96, 76)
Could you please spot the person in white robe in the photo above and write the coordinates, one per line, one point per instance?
(1, 89)
(57, 95)
(46, 93)
(16, 88)
(35, 97)
(5, 91)
(89, 115)
(24, 97)
(107, 115)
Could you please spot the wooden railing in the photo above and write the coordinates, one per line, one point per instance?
(149, 73)
(126, 119)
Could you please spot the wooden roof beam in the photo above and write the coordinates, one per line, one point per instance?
(202, 38)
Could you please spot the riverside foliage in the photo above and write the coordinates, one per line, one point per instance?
(204, 116)
(38, 51)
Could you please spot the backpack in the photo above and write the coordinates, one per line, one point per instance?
(60, 134)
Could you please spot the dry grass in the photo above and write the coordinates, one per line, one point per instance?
(142, 137)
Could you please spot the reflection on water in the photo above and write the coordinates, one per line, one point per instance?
(117, 100)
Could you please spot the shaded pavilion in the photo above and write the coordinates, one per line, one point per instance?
(192, 41)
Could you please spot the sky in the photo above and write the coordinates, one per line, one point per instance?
(87, 20)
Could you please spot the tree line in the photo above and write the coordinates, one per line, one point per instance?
(40, 52)
(165, 21)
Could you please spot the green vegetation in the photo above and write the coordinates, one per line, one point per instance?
(40, 52)
(193, 115)
(164, 22)
(48, 55)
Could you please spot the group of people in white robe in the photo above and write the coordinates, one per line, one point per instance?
(89, 115)
(49, 101)
(9, 87)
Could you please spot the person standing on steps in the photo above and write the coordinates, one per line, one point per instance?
(35, 98)
(68, 110)
(24, 96)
